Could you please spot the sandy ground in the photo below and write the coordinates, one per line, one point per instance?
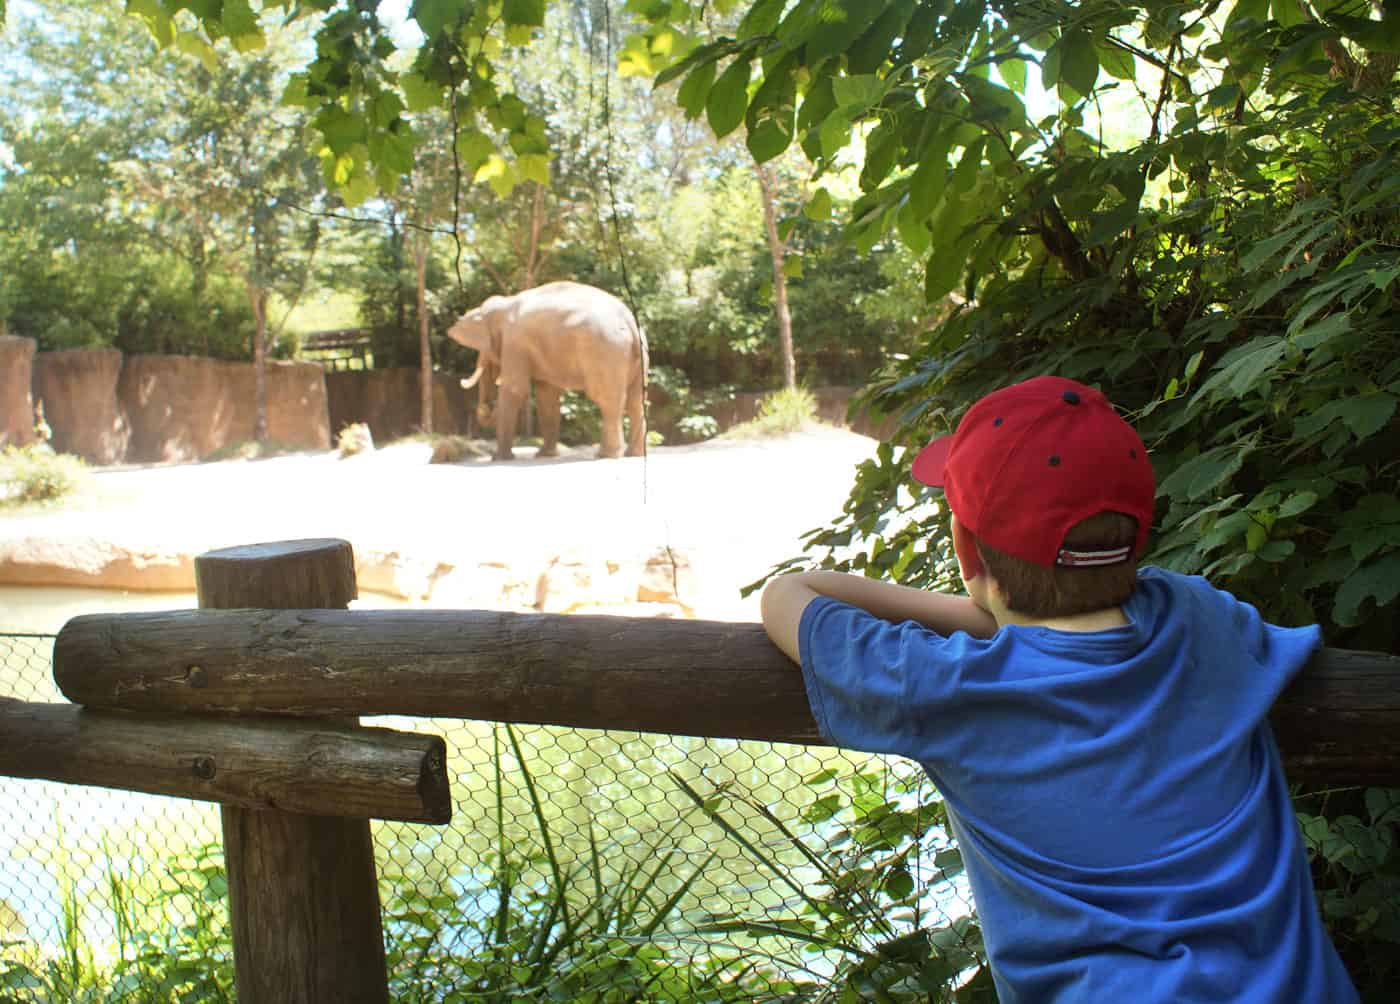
(731, 509)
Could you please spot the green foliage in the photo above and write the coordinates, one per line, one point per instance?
(580, 421)
(36, 474)
(354, 438)
(1203, 224)
(779, 414)
(157, 962)
(882, 906)
(693, 428)
(1357, 857)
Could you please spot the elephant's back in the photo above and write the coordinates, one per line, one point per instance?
(578, 300)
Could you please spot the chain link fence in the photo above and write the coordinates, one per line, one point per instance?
(580, 865)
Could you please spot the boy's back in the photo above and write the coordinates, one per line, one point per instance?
(1100, 735)
(1116, 795)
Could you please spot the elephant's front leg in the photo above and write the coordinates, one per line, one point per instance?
(547, 408)
(508, 404)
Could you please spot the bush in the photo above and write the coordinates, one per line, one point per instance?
(779, 414)
(693, 428)
(35, 473)
(354, 438)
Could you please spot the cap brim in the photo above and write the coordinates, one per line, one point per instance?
(929, 464)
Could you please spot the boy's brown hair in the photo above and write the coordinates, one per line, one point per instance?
(1062, 591)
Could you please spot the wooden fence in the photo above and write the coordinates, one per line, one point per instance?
(252, 702)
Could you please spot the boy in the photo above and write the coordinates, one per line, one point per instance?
(1098, 733)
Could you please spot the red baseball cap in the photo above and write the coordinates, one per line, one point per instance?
(1029, 461)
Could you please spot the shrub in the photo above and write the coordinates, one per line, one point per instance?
(35, 473)
(354, 438)
(693, 428)
(779, 414)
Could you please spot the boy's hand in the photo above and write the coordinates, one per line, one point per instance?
(787, 596)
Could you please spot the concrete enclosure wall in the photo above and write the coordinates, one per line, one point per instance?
(187, 407)
(16, 402)
(110, 409)
(387, 401)
(79, 391)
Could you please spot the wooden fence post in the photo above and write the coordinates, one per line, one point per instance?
(303, 894)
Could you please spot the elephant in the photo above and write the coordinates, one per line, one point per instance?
(559, 336)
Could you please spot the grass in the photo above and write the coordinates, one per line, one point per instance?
(35, 475)
(781, 413)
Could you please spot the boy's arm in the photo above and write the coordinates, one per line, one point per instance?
(787, 596)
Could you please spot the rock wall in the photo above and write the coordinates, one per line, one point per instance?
(111, 409)
(79, 390)
(387, 401)
(185, 408)
(16, 402)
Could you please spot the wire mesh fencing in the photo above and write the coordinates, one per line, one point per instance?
(580, 865)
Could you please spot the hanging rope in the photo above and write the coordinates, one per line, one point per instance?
(617, 228)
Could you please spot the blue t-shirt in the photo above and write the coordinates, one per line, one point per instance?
(1117, 795)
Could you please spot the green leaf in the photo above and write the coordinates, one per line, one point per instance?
(1363, 414)
(856, 94)
(927, 182)
(241, 25)
(838, 23)
(818, 207)
(729, 98)
(419, 93)
(473, 148)
(771, 115)
(524, 12)
(695, 89)
(1013, 72)
(899, 884)
(1287, 12)
(761, 18)
(1244, 368)
(871, 50)
(534, 167)
(1116, 61)
(1079, 61)
(1297, 503)
(434, 16)
(341, 129)
(1206, 471)
(1380, 581)
(1322, 332)
(1383, 804)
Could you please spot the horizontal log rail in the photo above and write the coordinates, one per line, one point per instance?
(296, 766)
(1338, 723)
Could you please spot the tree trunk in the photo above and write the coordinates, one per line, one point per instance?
(778, 249)
(425, 350)
(257, 297)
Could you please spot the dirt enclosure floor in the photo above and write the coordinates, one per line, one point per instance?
(676, 534)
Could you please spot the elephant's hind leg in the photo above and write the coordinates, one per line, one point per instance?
(611, 447)
(636, 417)
(547, 408)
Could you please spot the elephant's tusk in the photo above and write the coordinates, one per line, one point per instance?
(469, 382)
